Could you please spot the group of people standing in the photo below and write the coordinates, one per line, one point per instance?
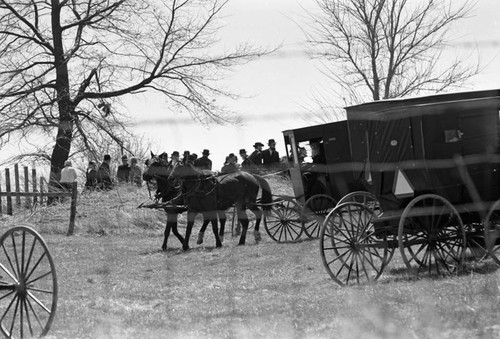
(259, 159)
(102, 178)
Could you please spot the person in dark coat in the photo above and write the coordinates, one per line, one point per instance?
(104, 174)
(230, 164)
(256, 157)
(246, 164)
(123, 172)
(270, 157)
(91, 176)
(204, 162)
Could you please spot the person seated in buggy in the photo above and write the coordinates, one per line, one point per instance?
(314, 173)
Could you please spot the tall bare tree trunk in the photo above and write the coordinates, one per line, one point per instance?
(65, 127)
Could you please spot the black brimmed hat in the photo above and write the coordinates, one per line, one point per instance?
(175, 154)
(206, 152)
(243, 151)
(257, 144)
(124, 157)
(271, 141)
(107, 157)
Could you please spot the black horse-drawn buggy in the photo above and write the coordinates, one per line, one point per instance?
(429, 168)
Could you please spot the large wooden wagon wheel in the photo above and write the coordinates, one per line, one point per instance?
(314, 212)
(350, 251)
(282, 222)
(492, 232)
(28, 284)
(431, 236)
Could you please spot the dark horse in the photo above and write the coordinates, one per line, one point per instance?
(169, 191)
(203, 192)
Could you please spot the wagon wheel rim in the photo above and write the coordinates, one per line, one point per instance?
(314, 212)
(350, 252)
(283, 222)
(431, 236)
(366, 198)
(29, 280)
(492, 232)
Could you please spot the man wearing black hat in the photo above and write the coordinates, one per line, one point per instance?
(270, 157)
(204, 162)
(104, 174)
(256, 157)
(246, 164)
(123, 171)
(174, 159)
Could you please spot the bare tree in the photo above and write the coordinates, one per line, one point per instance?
(381, 49)
(65, 64)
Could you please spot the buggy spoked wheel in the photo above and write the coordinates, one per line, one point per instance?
(28, 284)
(282, 222)
(365, 198)
(476, 247)
(492, 232)
(350, 251)
(431, 236)
(314, 212)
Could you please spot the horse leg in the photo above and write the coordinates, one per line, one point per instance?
(222, 220)
(171, 225)
(258, 218)
(175, 230)
(189, 228)
(201, 233)
(166, 234)
(243, 219)
(212, 216)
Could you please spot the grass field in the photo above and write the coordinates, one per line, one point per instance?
(116, 283)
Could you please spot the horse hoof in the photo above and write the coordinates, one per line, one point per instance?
(200, 238)
(218, 245)
(257, 236)
(185, 248)
(221, 237)
(164, 248)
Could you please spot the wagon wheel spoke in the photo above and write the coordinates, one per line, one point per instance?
(442, 241)
(313, 213)
(34, 284)
(349, 252)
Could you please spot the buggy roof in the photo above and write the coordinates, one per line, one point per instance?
(318, 131)
(383, 108)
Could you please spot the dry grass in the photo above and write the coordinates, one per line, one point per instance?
(116, 283)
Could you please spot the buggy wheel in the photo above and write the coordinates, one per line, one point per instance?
(365, 198)
(431, 236)
(475, 245)
(28, 284)
(492, 232)
(282, 222)
(314, 213)
(350, 251)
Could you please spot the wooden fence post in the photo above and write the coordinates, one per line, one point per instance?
(33, 182)
(27, 199)
(74, 195)
(41, 190)
(7, 189)
(17, 186)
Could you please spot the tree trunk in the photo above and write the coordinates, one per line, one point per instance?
(65, 106)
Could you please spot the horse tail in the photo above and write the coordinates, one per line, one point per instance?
(267, 197)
